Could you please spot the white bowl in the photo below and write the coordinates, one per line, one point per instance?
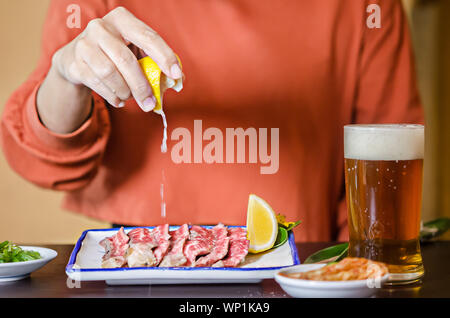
(19, 270)
(302, 288)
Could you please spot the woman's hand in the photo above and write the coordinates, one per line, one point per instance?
(100, 59)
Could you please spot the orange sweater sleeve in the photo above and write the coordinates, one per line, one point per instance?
(51, 160)
(386, 88)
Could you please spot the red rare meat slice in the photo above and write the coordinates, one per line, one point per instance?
(220, 249)
(115, 247)
(175, 256)
(237, 250)
(200, 242)
(161, 234)
(140, 253)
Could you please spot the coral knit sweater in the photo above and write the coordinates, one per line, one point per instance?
(304, 67)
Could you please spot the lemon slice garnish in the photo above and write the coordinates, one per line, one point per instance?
(262, 225)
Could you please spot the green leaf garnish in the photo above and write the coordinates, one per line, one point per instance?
(433, 229)
(330, 254)
(292, 225)
(281, 220)
(283, 230)
(282, 237)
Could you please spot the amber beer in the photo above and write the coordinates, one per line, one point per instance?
(383, 178)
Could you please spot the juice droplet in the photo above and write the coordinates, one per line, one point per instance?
(163, 210)
(161, 193)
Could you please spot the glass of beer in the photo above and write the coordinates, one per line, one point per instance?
(383, 181)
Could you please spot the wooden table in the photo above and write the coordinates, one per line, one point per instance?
(51, 281)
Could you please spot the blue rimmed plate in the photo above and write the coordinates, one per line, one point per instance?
(85, 265)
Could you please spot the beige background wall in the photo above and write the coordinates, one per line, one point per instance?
(430, 25)
(32, 215)
(28, 214)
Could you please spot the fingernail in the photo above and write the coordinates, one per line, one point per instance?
(149, 103)
(175, 70)
(121, 104)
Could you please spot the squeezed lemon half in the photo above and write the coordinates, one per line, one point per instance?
(159, 83)
(262, 225)
(158, 80)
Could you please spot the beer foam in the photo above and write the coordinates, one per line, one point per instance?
(384, 142)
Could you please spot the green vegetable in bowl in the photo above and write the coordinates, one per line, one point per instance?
(10, 252)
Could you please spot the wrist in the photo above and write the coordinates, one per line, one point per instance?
(61, 105)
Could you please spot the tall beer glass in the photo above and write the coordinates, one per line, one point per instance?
(383, 178)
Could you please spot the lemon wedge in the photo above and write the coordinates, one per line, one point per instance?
(159, 83)
(158, 80)
(262, 225)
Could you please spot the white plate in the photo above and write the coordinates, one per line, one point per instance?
(20, 270)
(303, 288)
(85, 264)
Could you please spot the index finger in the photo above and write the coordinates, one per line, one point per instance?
(137, 32)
